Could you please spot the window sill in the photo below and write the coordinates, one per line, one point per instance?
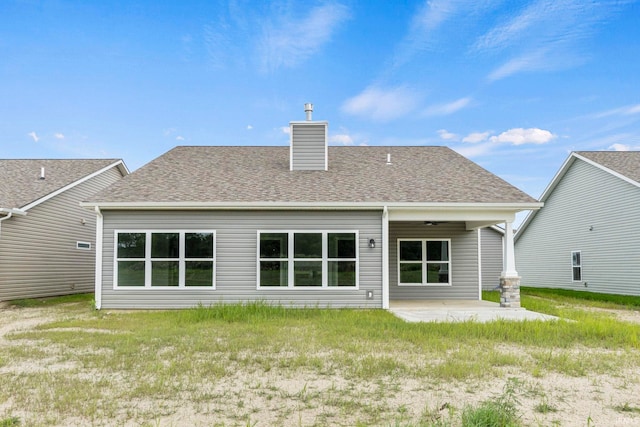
(424, 285)
(308, 288)
(164, 288)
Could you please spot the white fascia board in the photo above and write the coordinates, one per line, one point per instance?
(124, 170)
(558, 177)
(119, 164)
(439, 210)
(547, 191)
(606, 169)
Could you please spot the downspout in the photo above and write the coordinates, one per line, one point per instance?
(9, 215)
(98, 278)
(479, 264)
(385, 258)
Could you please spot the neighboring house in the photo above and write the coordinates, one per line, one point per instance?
(587, 236)
(303, 225)
(47, 241)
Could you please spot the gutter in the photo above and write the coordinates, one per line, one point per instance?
(308, 205)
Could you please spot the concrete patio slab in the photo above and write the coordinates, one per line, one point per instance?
(460, 311)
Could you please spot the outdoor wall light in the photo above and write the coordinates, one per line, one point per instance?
(372, 243)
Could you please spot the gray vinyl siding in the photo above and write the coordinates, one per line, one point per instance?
(491, 242)
(585, 197)
(38, 255)
(464, 261)
(308, 146)
(236, 257)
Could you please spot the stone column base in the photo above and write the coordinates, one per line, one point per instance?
(510, 292)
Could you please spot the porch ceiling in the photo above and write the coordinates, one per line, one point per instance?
(473, 217)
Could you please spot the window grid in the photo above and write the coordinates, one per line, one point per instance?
(576, 266)
(424, 262)
(291, 259)
(149, 259)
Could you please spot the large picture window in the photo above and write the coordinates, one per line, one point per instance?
(309, 259)
(175, 259)
(424, 262)
(576, 266)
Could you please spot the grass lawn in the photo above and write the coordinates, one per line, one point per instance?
(263, 365)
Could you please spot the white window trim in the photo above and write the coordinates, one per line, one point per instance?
(78, 246)
(578, 266)
(147, 260)
(325, 260)
(424, 262)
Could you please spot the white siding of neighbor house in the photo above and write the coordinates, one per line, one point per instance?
(491, 242)
(585, 197)
(308, 146)
(236, 257)
(38, 254)
(464, 261)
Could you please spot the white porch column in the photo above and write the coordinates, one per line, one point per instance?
(509, 279)
(508, 254)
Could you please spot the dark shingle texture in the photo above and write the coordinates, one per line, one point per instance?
(225, 174)
(20, 182)
(626, 163)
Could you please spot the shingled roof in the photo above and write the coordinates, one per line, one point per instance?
(20, 182)
(625, 163)
(232, 174)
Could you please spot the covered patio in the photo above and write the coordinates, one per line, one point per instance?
(460, 311)
(447, 255)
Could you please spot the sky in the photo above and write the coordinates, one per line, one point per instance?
(513, 85)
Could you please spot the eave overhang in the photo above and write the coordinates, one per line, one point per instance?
(475, 215)
(397, 206)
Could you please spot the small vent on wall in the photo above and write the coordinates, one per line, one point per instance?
(83, 245)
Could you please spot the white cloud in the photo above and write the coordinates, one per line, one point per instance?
(483, 143)
(425, 28)
(343, 139)
(249, 127)
(544, 35)
(58, 135)
(476, 137)
(628, 110)
(620, 147)
(520, 136)
(446, 109)
(446, 135)
(529, 61)
(34, 136)
(292, 39)
(381, 104)
(179, 138)
(168, 131)
(285, 129)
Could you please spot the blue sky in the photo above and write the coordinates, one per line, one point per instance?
(513, 85)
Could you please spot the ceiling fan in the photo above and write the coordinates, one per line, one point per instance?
(434, 223)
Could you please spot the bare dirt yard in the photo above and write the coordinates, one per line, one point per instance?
(37, 372)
